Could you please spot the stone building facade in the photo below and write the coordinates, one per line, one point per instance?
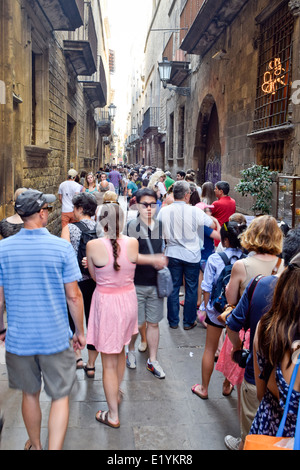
(233, 96)
(54, 66)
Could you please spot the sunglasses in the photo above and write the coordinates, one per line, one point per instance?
(148, 204)
(48, 208)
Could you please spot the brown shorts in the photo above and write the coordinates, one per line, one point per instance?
(67, 218)
(58, 372)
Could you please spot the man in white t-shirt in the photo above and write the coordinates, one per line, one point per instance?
(183, 231)
(66, 192)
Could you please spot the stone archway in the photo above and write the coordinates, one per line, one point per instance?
(207, 151)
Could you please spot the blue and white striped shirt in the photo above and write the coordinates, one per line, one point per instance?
(34, 266)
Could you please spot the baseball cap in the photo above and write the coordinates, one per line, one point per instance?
(32, 201)
(72, 173)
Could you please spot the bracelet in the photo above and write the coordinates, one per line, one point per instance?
(3, 331)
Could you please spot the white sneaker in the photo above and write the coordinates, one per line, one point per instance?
(142, 347)
(156, 369)
(232, 443)
(130, 360)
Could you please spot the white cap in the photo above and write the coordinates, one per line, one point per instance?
(72, 173)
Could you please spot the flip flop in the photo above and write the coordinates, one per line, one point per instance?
(28, 445)
(103, 418)
(199, 394)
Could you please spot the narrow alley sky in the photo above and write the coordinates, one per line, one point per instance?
(129, 21)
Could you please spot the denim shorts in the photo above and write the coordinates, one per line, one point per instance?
(150, 306)
(58, 372)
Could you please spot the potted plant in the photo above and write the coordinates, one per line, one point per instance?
(257, 182)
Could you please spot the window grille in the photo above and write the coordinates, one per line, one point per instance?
(275, 70)
(271, 154)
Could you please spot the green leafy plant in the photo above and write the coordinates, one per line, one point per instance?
(257, 181)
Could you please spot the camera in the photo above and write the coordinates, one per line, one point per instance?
(240, 357)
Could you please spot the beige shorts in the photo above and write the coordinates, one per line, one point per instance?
(58, 372)
(150, 306)
(249, 405)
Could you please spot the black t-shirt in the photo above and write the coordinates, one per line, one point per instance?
(145, 275)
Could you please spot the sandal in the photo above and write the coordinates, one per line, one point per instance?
(79, 366)
(90, 371)
(103, 418)
(199, 394)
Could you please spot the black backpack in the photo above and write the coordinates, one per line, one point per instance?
(86, 236)
(218, 297)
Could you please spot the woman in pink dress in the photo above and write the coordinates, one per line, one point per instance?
(113, 318)
(113, 315)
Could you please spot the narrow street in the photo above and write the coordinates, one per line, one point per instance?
(155, 414)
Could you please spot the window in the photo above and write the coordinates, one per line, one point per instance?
(271, 154)
(71, 142)
(181, 132)
(171, 137)
(40, 99)
(275, 69)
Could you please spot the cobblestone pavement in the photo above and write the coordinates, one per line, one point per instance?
(155, 414)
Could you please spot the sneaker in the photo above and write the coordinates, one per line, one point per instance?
(130, 360)
(142, 347)
(232, 443)
(156, 369)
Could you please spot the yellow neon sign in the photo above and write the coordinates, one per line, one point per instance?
(273, 76)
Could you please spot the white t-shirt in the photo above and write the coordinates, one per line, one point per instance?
(183, 230)
(68, 189)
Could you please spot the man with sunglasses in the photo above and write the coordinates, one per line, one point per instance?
(38, 275)
(150, 306)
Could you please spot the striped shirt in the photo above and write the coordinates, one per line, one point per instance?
(34, 266)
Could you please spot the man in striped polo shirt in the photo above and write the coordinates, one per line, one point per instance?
(38, 278)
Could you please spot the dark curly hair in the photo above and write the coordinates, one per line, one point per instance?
(87, 201)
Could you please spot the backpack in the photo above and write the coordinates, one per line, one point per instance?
(86, 236)
(218, 297)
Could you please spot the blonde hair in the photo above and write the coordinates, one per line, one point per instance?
(263, 236)
(155, 178)
(110, 196)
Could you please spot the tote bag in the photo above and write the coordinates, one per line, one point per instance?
(262, 442)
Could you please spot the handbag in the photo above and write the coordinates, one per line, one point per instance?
(262, 442)
(164, 278)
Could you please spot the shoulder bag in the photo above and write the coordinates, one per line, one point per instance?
(262, 442)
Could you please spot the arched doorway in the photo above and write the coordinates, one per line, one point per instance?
(207, 151)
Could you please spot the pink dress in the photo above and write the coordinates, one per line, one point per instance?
(113, 315)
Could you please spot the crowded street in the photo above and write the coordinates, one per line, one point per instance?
(155, 415)
(149, 228)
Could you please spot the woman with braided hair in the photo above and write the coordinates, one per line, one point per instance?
(113, 316)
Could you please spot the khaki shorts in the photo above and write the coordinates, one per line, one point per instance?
(249, 405)
(58, 372)
(150, 306)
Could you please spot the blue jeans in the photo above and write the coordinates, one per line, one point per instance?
(190, 272)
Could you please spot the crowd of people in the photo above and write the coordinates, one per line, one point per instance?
(96, 287)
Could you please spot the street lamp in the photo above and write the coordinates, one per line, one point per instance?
(165, 69)
(112, 111)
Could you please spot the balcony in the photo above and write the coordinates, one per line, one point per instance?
(104, 123)
(95, 87)
(82, 50)
(63, 15)
(206, 20)
(180, 66)
(151, 120)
